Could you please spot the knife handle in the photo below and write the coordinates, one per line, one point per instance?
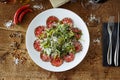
(116, 55)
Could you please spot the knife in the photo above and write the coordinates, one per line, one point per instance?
(116, 55)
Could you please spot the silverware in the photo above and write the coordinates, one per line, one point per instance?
(110, 28)
(116, 55)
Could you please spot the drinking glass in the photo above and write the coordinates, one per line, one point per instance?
(92, 6)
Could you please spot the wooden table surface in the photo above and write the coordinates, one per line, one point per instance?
(90, 68)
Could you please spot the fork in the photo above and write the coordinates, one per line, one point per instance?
(116, 55)
(110, 28)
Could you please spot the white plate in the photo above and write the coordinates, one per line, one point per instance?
(40, 19)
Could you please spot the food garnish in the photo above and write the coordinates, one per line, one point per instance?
(58, 40)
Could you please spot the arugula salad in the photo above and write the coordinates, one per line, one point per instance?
(58, 41)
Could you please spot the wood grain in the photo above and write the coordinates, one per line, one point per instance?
(90, 68)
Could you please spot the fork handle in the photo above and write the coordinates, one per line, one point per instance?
(109, 53)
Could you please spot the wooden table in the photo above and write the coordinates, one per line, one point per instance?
(90, 68)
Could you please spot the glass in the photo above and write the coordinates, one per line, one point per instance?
(91, 5)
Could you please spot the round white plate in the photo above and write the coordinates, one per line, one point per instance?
(40, 19)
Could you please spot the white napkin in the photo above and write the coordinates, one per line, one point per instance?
(57, 3)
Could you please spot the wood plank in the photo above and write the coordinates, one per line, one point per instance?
(90, 68)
